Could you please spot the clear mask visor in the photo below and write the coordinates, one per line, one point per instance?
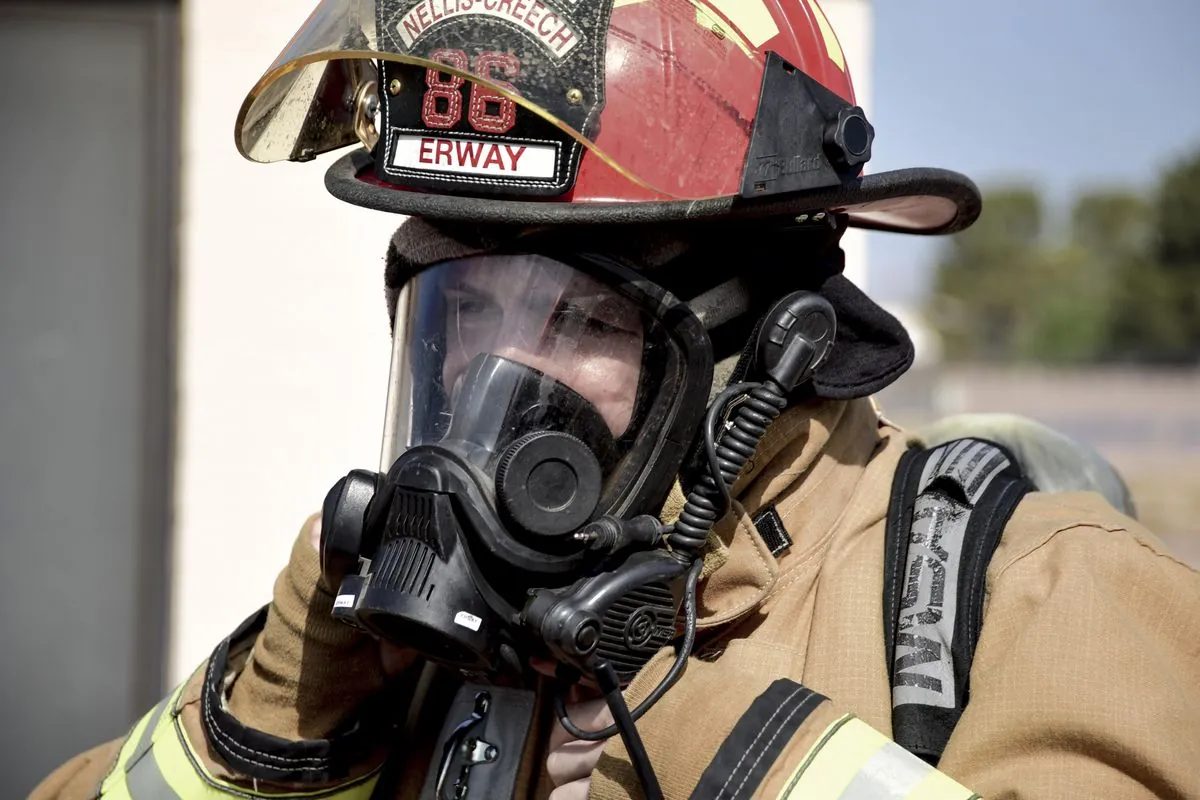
(492, 348)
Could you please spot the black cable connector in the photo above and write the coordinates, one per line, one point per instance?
(611, 535)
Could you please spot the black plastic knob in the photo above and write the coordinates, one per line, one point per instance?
(850, 138)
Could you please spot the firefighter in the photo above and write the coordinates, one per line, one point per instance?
(641, 531)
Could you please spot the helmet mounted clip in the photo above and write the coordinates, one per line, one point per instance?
(804, 137)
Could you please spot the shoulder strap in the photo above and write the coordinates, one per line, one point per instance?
(948, 509)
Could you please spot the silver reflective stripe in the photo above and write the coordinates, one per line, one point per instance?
(891, 774)
(971, 464)
(146, 741)
(924, 663)
(948, 456)
(145, 781)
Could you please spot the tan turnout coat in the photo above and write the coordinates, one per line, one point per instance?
(1086, 680)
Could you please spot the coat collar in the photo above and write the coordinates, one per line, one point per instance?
(808, 467)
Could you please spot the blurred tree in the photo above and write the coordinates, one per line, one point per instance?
(1178, 207)
(1178, 247)
(1158, 316)
(1146, 325)
(1068, 312)
(1112, 225)
(985, 276)
(1120, 282)
(1110, 231)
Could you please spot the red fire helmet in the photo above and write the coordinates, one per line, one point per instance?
(574, 111)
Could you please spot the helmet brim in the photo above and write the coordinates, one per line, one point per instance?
(923, 201)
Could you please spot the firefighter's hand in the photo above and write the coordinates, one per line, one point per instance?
(570, 761)
(395, 658)
(308, 672)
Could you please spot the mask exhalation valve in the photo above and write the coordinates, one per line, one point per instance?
(548, 482)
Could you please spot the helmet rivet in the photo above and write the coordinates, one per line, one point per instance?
(394, 86)
(574, 96)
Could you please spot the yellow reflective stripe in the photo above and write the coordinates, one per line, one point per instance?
(752, 17)
(141, 737)
(833, 761)
(170, 769)
(890, 772)
(940, 786)
(832, 45)
(131, 742)
(185, 775)
(853, 761)
(115, 793)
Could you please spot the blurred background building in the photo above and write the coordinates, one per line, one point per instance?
(193, 347)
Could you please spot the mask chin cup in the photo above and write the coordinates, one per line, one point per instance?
(421, 590)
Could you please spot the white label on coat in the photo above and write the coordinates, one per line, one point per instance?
(467, 620)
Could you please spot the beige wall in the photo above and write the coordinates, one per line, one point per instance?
(283, 335)
(852, 20)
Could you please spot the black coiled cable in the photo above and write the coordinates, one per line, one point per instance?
(761, 404)
(709, 499)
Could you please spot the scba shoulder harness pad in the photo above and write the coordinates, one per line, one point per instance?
(949, 506)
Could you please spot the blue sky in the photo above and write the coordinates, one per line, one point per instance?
(1066, 93)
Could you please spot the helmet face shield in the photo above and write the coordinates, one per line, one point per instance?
(490, 349)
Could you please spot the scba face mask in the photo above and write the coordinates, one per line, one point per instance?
(539, 410)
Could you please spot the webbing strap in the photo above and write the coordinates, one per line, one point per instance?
(754, 744)
(949, 507)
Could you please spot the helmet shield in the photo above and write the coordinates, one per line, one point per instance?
(491, 95)
(492, 350)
